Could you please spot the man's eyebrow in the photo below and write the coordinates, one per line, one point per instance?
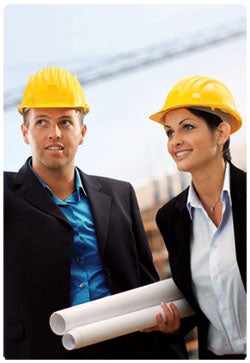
(41, 115)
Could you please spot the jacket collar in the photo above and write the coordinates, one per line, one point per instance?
(238, 197)
(100, 203)
(29, 188)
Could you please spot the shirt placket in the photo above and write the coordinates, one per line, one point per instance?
(216, 254)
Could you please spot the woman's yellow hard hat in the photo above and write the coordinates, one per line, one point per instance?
(203, 93)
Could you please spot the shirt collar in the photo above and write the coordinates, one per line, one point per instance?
(79, 185)
(194, 202)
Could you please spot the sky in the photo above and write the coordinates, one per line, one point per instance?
(121, 141)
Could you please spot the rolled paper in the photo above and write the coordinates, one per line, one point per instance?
(96, 332)
(122, 303)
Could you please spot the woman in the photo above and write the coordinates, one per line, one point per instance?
(204, 227)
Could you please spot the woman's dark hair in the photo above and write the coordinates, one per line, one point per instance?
(213, 121)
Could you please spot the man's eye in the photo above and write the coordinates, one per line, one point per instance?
(65, 122)
(41, 122)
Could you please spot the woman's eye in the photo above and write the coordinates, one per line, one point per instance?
(188, 127)
(169, 133)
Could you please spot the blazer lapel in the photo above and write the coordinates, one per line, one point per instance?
(238, 194)
(182, 247)
(100, 205)
(30, 189)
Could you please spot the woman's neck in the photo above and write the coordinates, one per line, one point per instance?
(209, 187)
(209, 183)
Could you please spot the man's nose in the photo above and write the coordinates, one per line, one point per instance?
(55, 132)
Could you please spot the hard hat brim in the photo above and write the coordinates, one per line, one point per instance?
(235, 122)
(21, 108)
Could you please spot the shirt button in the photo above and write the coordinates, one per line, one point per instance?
(234, 337)
(106, 271)
(81, 285)
(77, 259)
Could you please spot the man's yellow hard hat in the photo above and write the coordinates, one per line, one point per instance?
(203, 93)
(53, 87)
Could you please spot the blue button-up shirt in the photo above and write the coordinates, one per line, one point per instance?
(88, 281)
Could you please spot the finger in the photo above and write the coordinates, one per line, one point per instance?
(149, 330)
(174, 310)
(168, 312)
(172, 318)
(160, 321)
(175, 317)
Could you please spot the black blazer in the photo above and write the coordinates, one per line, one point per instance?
(174, 224)
(38, 241)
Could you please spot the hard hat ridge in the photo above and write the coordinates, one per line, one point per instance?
(53, 87)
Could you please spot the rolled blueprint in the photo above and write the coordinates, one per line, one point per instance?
(115, 305)
(117, 326)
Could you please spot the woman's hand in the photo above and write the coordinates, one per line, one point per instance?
(170, 324)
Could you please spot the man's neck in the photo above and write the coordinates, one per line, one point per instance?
(61, 182)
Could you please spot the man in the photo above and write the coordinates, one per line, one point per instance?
(69, 237)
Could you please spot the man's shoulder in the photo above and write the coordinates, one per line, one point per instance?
(9, 176)
(104, 180)
(107, 185)
(108, 180)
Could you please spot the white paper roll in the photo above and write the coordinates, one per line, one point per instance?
(117, 326)
(125, 302)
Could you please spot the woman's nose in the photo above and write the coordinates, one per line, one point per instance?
(177, 140)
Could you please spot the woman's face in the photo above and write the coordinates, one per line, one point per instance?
(192, 145)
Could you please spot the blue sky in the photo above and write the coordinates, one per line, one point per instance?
(121, 141)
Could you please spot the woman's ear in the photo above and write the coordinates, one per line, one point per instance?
(223, 132)
(24, 131)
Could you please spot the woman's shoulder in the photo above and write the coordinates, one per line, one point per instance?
(175, 204)
(235, 170)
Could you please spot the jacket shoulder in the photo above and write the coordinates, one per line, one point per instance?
(238, 179)
(109, 181)
(9, 177)
(105, 183)
(174, 205)
(238, 173)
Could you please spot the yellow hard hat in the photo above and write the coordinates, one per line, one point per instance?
(201, 93)
(53, 87)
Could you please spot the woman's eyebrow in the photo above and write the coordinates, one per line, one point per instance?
(187, 118)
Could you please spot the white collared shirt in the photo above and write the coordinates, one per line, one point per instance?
(216, 279)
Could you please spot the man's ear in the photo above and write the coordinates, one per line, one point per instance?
(24, 131)
(83, 132)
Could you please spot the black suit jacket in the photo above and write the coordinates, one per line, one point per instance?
(174, 223)
(38, 241)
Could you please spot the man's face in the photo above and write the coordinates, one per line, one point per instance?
(54, 135)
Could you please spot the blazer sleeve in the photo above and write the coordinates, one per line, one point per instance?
(148, 273)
